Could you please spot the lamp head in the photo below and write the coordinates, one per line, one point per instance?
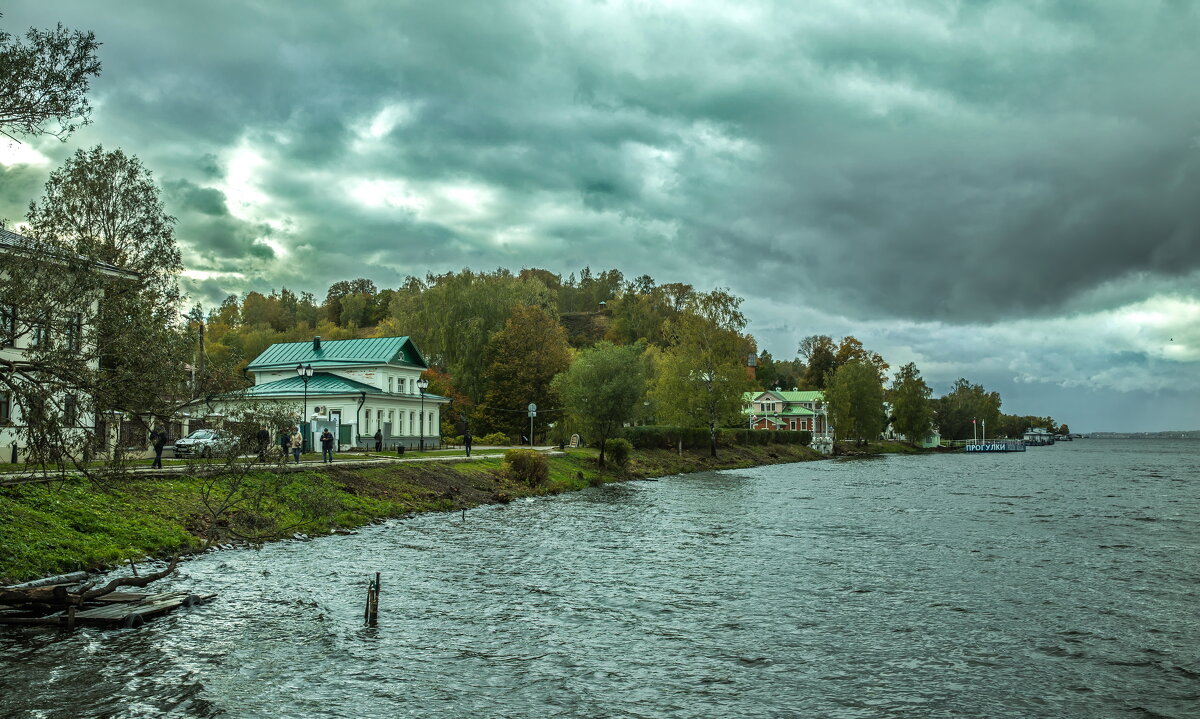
(308, 371)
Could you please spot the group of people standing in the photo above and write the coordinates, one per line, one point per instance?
(290, 440)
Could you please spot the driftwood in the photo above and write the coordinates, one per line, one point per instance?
(60, 595)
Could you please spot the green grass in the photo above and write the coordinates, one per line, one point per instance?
(64, 526)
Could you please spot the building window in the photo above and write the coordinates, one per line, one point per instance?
(391, 384)
(792, 425)
(392, 422)
(70, 411)
(41, 333)
(5, 412)
(75, 332)
(8, 326)
(367, 422)
(379, 420)
(412, 422)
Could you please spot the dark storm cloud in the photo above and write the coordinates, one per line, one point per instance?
(215, 239)
(940, 160)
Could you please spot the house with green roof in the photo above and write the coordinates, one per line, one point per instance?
(793, 411)
(356, 388)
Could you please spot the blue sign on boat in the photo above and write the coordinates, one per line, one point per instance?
(997, 445)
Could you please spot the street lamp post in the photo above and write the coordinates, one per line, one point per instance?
(422, 384)
(305, 372)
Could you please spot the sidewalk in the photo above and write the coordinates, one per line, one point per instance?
(345, 460)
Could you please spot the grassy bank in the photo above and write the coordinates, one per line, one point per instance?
(54, 528)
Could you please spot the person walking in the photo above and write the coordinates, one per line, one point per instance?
(263, 440)
(159, 438)
(285, 444)
(297, 443)
(467, 442)
(327, 446)
(379, 440)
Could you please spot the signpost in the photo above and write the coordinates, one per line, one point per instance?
(532, 413)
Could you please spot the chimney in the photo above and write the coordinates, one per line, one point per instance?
(316, 344)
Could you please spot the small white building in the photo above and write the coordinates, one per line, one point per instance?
(357, 388)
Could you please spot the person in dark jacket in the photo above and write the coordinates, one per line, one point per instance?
(378, 440)
(159, 438)
(285, 443)
(467, 442)
(263, 440)
(327, 446)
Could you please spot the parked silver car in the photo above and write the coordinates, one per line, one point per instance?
(204, 443)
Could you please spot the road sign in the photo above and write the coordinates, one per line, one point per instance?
(532, 407)
(532, 413)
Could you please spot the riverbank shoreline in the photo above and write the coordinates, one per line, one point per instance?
(51, 529)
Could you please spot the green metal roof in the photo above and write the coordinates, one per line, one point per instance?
(802, 396)
(321, 383)
(341, 353)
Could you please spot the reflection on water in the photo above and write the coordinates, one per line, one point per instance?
(1059, 582)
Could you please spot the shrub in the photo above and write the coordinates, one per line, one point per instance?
(617, 451)
(654, 437)
(526, 465)
(499, 438)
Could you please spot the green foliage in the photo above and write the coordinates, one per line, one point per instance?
(526, 466)
(601, 390)
(453, 316)
(499, 439)
(618, 451)
(965, 402)
(522, 361)
(45, 81)
(911, 408)
(701, 378)
(855, 399)
(660, 437)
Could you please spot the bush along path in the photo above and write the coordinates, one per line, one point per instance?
(48, 529)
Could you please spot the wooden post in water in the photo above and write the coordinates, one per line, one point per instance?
(371, 614)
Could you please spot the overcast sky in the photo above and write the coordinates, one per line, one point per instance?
(1003, 191)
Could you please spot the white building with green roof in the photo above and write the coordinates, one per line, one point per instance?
(356, 388)
(793, 411)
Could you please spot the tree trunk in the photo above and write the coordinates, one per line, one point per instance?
(60, 596)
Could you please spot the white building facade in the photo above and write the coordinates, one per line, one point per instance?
(358, 389)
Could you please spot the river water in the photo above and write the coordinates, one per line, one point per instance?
(1061, 582)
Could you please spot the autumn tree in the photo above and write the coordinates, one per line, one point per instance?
(98, 302)
(521, 361)
(602, 390)
(701, 376)
(453, 316)
(855, 400)
(965, 406)
(105, 206)
(818, 353)
(911, 408)
(850, 349)
(44, 81)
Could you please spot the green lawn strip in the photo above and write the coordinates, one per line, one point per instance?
(64, 526)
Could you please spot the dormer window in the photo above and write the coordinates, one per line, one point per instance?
(391, 381)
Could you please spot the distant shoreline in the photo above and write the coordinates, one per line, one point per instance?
(1188, 434)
